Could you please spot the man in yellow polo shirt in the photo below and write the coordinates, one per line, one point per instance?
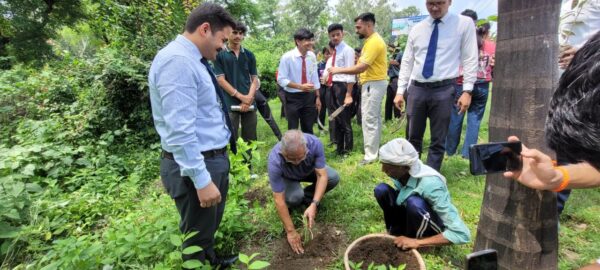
(372, 67)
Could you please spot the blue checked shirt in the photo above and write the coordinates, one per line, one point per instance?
(185, 108)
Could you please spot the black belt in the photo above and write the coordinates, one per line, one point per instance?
(437, 84)
(206, 154)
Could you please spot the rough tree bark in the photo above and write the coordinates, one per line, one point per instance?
(521, 223)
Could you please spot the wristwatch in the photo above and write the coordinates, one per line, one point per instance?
(315, 202)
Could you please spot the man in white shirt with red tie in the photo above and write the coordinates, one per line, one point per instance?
(299, 78)
(435, 49)
(340, 88)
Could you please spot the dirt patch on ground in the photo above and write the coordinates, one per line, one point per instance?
(381, 251)
(256, 195)
(327, 245)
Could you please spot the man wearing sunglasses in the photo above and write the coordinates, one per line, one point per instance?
(299, 157)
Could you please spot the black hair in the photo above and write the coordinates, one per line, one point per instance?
(470, 13)
(239, 26)
(357, 49)
(303, 33)
(215, 15)
(335, 26)
(324, 50)
(366, 17)
(484, 28)
(331, 45)
(573, 123)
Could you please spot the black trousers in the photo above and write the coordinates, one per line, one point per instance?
(301, 111)
(263, 108)
(323, 98)
(415, 218)
(342, 124)
(389, 100)
(194, 218)
(435, 104)
(356, 94)
(281, 95)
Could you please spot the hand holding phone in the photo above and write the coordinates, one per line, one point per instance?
(495, 157)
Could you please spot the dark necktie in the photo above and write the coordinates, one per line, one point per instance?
(330, 78)
(304, 80)
(232, 143)
(431, 50)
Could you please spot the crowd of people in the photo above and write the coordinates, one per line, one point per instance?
(443, 73)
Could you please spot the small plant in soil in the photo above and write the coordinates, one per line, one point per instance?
(306, 232)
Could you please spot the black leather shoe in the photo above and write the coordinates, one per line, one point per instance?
(224, 262)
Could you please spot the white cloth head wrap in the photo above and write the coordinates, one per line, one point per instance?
(401, 153)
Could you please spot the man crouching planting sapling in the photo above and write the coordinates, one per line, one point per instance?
(299, 157)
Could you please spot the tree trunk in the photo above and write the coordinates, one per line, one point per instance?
(518, 222)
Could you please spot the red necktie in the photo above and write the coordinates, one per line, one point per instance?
(330, 78)
(304, 80)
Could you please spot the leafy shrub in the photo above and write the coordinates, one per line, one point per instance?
(268, 52)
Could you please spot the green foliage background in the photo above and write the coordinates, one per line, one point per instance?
(79, 156)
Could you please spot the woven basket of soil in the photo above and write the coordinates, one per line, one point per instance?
(379, 249)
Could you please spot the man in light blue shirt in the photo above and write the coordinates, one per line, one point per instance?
(299, 78)
(419, 211)
(194, 130)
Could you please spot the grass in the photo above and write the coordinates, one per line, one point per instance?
(352, 207)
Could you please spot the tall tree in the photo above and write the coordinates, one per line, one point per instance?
(27, 26)
(521, 223)
(346, 10)
(311, 14)
(244, 10)
(268, 22)
(407, 12)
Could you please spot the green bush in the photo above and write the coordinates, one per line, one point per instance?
(268, 52)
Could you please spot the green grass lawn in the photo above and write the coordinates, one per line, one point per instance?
(351, 205)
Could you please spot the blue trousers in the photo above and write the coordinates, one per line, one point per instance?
(474, 116)
(414, 219)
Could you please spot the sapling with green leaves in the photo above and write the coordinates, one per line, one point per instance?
(305, 231)
(252, 265)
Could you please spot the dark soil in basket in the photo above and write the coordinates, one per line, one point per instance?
(326, 246)
(381, 251)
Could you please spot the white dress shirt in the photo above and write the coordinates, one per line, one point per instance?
(579, 24)
(344, 57)
(290, 70)
(457, 44)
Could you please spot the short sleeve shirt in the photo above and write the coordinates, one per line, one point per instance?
(238, 71)
(374, 54)
(279, 168)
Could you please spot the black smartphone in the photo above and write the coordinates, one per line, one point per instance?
(495, 157)
(483, 260)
